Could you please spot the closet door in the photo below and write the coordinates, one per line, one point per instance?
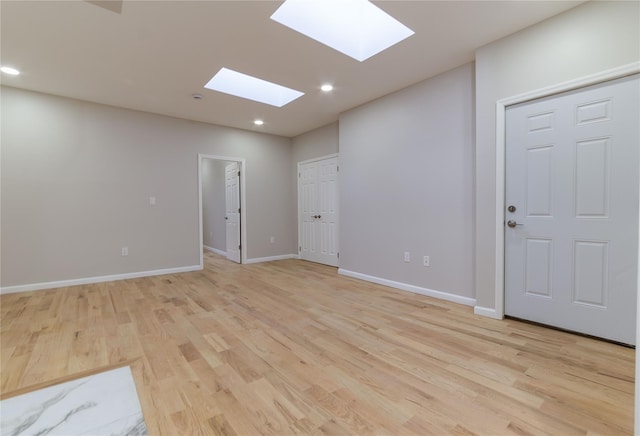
(318, 210)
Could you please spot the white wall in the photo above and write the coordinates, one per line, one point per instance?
(588, 39)
(214, 204)
(406, 184)
(77, 176)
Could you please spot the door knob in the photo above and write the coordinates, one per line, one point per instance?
(226, 217)
(512, 223)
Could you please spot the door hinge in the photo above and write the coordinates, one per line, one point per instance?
(238, 210)
(338, 168)
(238, 173)
(338, 255)
(239, 247)
(299, 175)
(300, 248)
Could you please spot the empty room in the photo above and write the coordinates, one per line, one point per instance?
(319, 217)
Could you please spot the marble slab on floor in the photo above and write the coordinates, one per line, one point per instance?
(100, 404)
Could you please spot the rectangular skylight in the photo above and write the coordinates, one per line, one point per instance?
(356, 28)
(252, 88)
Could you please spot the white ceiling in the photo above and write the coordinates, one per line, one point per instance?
(153, 55)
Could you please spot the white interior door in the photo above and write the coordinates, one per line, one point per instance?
(571, 227)
(232, 213)
(318, 211)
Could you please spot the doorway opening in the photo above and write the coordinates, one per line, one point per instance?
(222, 206)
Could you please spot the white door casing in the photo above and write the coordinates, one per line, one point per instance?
(232, 210)
(318, 210)
(572, 175)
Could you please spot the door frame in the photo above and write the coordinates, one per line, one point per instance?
(303, 162)
(243, 207)
(501, 106)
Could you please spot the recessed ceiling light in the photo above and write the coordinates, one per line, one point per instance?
(327, 87)
(252, 88)
(356, 28)
(258, 122)
(10, 70)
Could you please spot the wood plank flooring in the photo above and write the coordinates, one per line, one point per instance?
(290, 347)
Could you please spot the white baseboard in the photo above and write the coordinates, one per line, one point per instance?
(99, 279)
(411, 288)
(215, 250)
(489, 312)
(271, 258)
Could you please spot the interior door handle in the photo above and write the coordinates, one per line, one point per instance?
(512, 223)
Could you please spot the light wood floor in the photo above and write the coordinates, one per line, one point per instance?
(291, 347)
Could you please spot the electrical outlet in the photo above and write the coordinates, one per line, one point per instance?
(426, 261)
(407, 256)
(152, 201)
(272, 239)
(125, 251)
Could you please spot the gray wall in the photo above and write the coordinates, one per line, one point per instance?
(406, 184)
(214, 231)
(76, 180)
(588, 39)
(76, 176)
(316, 143)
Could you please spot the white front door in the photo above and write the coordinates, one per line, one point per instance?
(318, 211)
(232, 213)
(571, 213)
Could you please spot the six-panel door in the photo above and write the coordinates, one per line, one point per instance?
(571, 244)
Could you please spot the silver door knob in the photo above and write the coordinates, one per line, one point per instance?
(512, 223)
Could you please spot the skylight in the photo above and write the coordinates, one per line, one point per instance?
(252, 88)
(356, 28)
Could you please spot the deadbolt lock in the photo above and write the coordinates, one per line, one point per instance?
(511, 208)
